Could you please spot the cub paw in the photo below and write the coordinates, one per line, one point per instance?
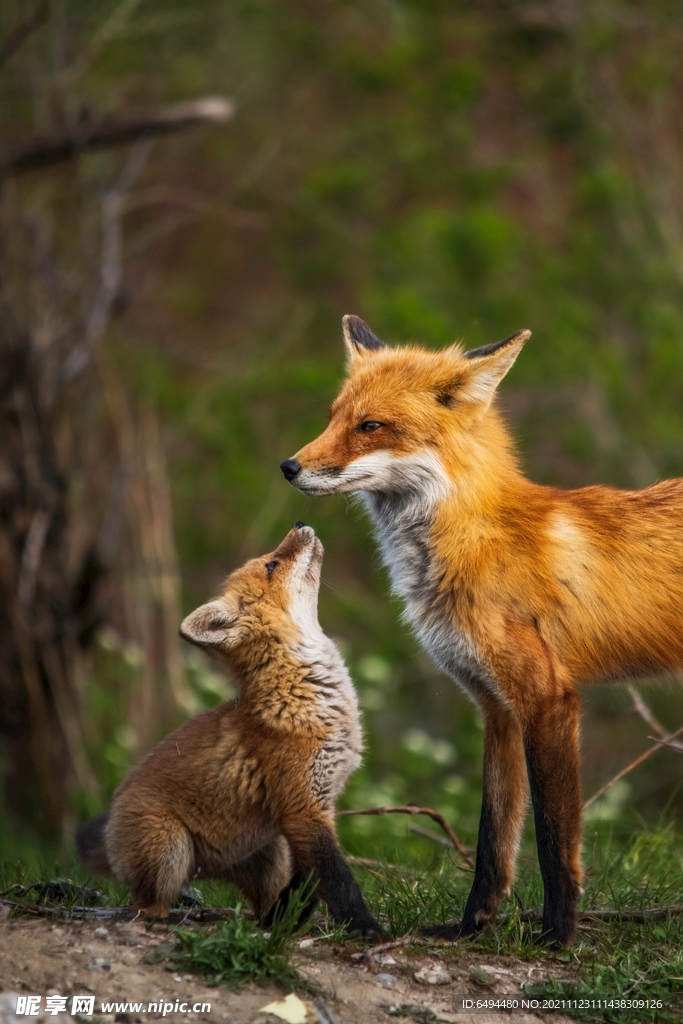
(374, 934)
(449, 932)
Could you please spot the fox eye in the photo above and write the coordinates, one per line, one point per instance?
(270, 566)
(368, 427)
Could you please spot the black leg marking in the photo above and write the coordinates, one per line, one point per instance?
(340, 891)
(278, 908)
(561, 893)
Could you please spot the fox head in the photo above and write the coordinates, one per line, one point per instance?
(267, 597)
(407, 419)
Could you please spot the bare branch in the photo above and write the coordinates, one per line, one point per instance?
(22, 31)
(42, 151)
(413, 809)
(669, 743)
(642, 709)
(111, 266)
(634, 764)
(33, 549)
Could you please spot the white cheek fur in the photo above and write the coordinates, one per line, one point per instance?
(420, 475)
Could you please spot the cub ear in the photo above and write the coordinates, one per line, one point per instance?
(489, 364)
(358, 337)
(210, 625)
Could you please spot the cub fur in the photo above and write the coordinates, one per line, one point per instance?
(247, 790)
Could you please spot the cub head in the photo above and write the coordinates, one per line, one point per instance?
(271, 594)
(406, 418)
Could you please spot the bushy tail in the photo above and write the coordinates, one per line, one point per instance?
(90, 845)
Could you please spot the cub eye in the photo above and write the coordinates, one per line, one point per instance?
(368, 427)
(270, 566)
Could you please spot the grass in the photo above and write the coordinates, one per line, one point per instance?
(238, 952)
(610, 959)
(615, 960)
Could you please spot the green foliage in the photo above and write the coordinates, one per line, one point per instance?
(611, 959)
(237, 952)
(445, 170)
(637, 961)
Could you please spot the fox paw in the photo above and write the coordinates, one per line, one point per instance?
(374, 934)
(549, 939)
(449, 932)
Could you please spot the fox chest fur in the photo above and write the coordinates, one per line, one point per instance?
(404, 532)
(333, 715)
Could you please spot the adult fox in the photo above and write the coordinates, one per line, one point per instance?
(518, 591)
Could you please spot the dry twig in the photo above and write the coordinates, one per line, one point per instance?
(384, 947)
(413, 809)
(664, 741)
(668, 743)
(642, 709)
(635, 916)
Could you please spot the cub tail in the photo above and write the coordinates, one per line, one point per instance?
(90, 845)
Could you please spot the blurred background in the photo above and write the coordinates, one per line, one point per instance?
(172, 282)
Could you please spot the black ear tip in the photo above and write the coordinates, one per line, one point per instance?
(360, 333)
(298, 525)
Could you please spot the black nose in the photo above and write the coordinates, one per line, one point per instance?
(290, 467)
(298, 525)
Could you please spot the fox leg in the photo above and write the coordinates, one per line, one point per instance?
(547, 708)
(262, 876)
(313, 841)
(154, 857)
(277, 909)
(552, 756)
(504, 804)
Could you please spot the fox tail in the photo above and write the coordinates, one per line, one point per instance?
(90, 845)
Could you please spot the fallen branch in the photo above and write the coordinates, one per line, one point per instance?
(664, 741)
(177, 915)
(413, 809)
(384, 947)
(41, 151)
(636, 916)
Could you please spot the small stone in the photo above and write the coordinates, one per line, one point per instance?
(387, 979)
(432, 976)
(101, 933)
(386, 960)
(307, 943)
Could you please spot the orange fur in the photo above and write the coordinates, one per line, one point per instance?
(519, 591)
(247, 790)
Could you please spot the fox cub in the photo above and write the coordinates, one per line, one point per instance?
(247, 790)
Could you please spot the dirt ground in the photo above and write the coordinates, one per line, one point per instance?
(112, 963)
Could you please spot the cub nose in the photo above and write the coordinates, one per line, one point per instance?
(290, 467)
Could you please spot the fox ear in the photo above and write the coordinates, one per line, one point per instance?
(489, 364)
(210, 625)
(358, 337)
